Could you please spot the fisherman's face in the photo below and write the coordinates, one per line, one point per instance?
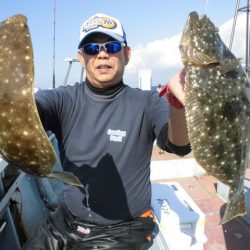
(104, 69)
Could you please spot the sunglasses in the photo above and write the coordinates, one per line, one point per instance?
(109, 47)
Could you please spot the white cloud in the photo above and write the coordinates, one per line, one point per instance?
(239, 41)
(156, 55)
(164, 55)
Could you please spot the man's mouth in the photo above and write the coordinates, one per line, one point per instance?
(103, 66)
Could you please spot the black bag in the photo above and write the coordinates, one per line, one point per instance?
(63, 231)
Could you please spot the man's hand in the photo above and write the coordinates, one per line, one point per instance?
(177, 128)
(176, 86)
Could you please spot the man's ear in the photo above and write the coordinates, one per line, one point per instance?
(127, 54)
(80, 58)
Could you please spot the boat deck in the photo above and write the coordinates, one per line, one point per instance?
(233, 235)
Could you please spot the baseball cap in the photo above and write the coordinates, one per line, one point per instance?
(102, 23)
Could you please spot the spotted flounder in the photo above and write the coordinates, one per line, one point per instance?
(23, 140)
(217, 108)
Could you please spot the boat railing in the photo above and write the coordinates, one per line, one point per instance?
(24, 202)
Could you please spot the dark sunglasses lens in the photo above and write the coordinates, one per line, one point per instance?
(91, 49)
(110, 47)
(113, 47)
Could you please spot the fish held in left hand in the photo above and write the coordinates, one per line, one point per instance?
(23, 140)
(217, 104)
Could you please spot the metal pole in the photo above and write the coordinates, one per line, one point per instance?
(234, 24)
(54, 42)
(247, 51)
(70, 61)
(67, 73)
(247, 38)
(81, 76)
(247, 41)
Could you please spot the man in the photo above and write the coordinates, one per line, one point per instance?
(105, 130)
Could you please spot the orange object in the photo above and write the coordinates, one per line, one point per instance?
(146, 214)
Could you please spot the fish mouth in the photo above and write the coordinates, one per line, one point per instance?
(197, 21)
(193, 17)
(200, 43)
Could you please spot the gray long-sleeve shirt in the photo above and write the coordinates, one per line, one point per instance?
(107, 142)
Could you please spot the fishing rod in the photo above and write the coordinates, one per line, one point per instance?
(54, 46)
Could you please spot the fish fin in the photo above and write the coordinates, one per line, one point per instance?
(230, 65)
(65, 177)
(235, 207)
(199, 58)
(204, 59)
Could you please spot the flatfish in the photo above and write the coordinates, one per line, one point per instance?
(217, 108)
(23, 141)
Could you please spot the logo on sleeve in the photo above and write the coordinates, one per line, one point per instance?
(116, 135)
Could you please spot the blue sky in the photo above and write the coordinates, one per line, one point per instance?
(148, 24)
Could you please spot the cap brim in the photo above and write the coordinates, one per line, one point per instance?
(116, 37)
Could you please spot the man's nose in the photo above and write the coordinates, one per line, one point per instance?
(102, 52)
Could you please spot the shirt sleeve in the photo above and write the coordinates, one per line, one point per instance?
(166, 145)
(157, 111)
(158, 115)
(48, 102)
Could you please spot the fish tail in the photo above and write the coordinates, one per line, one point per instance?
(235, 207)
(65, 177)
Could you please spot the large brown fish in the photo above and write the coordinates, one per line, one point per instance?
(23, 140)
(217, 108)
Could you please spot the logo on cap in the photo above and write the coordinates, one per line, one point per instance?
(96, 22)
